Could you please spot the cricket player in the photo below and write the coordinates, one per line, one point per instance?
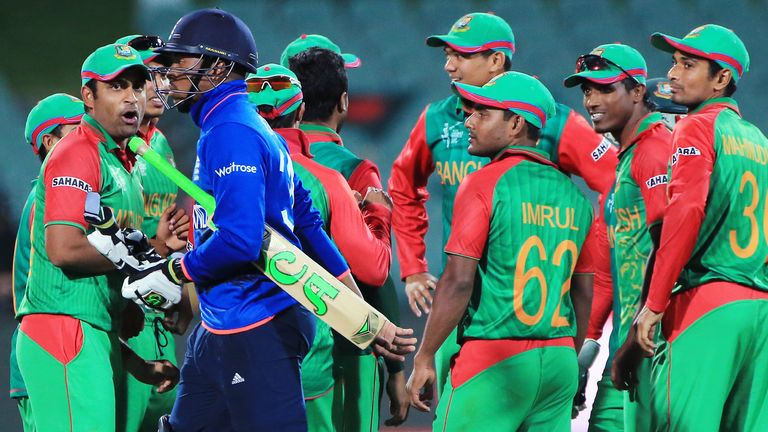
(518, 314)
(47, 123)
(322, 73)
(478, 47)
(363, 238)
(144, 404)
(709, 285)
(67, 347)
(242, 366)
(612, 78)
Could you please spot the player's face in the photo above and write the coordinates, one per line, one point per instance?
(155, 107)
(473, 69)
(177, 79)
(118, 105)
(689, 80)
(610, 106)
(488, 131)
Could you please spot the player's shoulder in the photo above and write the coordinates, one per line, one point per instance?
(75, 146)
(441, 107)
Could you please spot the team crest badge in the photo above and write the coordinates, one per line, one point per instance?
(695, 32)
(663, 90)
(462, 24)
(124, 52)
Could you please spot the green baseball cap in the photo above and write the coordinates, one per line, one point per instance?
(109, 61)
(307, 41)
(513, 91)
(144, 44)
(53, 111)
(608, 64)
(712, 42)
(260, 92)
(477, 32)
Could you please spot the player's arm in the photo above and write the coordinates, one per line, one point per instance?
(240, 198)
(408, 187)
(465, 248)
(602, 290)
(366, 246)
(587, 154)
(366, 175)
(159, 373)
(688, 191)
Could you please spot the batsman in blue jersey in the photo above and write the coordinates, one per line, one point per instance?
(242, 366)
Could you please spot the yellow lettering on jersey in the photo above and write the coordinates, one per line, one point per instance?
(155, 203)
(128, 219)
(453, 173)
(629, 219)
(544, 215)
(742, 147)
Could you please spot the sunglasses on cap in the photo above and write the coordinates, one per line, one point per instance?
(276, 83)
(143, 43)
(594, 62)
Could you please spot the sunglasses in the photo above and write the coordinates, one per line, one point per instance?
(143, 43)
(595, 62)
(277, 83)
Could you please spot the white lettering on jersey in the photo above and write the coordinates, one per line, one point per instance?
(73, 182)
(234, 167)
(601, 149)
(654, 181)
(685, 151)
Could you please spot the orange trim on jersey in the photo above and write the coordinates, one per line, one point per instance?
(343, 275)
(477, 355)
(688, 306)
(237, 330)
(448, 409)
(184, 269)
(321, 394)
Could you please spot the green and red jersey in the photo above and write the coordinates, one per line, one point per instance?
(439, 142)
(159, 191)
(635, 203)
(527, 241)
(714, 226)
(87, 159)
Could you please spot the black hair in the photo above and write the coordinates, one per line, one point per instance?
(532, 132)
(630, 84)
(42, 152)
(284, 121)
(323, 81)
(714, 69)
(507, 60)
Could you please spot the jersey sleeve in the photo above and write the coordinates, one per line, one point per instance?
(70, 172)
(688, 191)
(308, 227)
(240, 212)
(602, 289)
(586, 261)
(587, 154)
(362, 238)
(408, 187)
(471, 218)
(649, 170)
(364, 176)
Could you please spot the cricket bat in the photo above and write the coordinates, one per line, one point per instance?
(290, 268)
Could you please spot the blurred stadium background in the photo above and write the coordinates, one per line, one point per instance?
(46, 42)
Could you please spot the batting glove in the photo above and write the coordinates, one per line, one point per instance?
(589, 351)
(157, 286)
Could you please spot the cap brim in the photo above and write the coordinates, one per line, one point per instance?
(607, 76)
(484, 96)
(452, 41)
(88, 75)
(478, 95)
(351, 61)
(667, 43)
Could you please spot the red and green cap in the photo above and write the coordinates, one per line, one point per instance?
(607, 64)
(514, 91)
(307, 41)
(284, 101)
(53, 111)
(477, 32)
(712, 42)
(145, 45)
(109, 61)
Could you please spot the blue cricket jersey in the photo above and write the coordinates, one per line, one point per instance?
(248, 170)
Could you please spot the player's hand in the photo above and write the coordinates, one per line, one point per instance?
(625, 363)
(394, 342)
(178, 318)
(646, 323)
(420, 384)
(173, 228)
(159, 373)
(399, 403)
(417, 287)
(133, 321)
(377, 196)
(589, 351)
(157, 287)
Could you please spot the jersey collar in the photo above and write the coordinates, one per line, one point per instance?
(211, 100)
(531, 153)
(644, 127)
(727, 102)
(297, 141)
(96, 130)
(318, 133)
(151, 130)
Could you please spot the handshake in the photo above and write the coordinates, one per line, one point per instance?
(152, 281)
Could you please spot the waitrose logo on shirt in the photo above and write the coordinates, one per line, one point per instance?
(234, 168)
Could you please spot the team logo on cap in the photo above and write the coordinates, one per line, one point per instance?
(695, 32)
(663, 90)
(598, 51)
(124, 52)
(462, 24)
